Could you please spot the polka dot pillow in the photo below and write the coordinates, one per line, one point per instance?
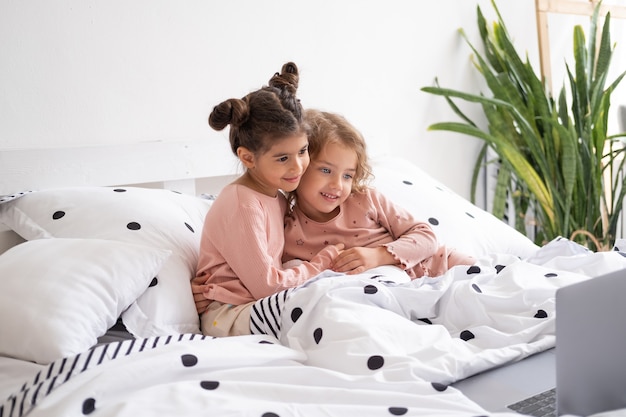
(152, 217)
(457, 222)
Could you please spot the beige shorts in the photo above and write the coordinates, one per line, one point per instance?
(226, 319)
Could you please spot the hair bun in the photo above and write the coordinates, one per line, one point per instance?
(287, 79)
(233, 111)
(270, 113)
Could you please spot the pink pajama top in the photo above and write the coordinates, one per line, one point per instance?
(242, 244)
(369, 219)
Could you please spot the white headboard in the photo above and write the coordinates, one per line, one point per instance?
(188, 167)
(175, 164)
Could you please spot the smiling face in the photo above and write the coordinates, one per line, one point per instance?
(280, 167)
(327, 183)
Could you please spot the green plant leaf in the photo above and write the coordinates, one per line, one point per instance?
(556, 158)
(520, 165)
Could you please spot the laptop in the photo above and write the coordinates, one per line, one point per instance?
(588, 365)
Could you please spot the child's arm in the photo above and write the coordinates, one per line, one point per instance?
(360, 259)
(263, 274)
(198, 288)
(244, 243)
(413, 240)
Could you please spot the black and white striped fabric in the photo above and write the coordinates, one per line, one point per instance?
(60, 372)
(249, 375)
(265, 316)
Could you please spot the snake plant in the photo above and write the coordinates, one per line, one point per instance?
(557, 165)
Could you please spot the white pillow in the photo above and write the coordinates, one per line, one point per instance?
(152, 217)
(57, 296)
(457, 222)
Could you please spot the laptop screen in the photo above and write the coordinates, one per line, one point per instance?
(591, 345)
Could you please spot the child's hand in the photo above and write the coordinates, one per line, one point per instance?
(340, 246)
(357, 260)
(198, 287)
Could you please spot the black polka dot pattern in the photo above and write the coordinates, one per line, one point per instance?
(433, 221)
(474, 269)
(150, 217)
(295, 314)
(189, 360)
(317, 335)
(375, 362)
(373, 291)
(439, 387)
(319, 332)
(466, 335)
(370, 289)
(89, 406)
(209, 385)
(133, 226)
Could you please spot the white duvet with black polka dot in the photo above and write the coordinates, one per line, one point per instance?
(359, 345)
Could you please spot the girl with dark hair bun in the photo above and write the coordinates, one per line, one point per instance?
(243, 234)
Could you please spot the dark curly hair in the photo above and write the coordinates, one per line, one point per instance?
(269, 113)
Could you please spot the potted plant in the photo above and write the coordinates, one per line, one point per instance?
(556, 160)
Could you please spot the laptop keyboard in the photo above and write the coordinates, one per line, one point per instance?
(539, 405)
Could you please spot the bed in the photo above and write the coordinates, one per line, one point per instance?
(97, 318)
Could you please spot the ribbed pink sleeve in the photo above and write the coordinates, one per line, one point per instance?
(413, 241)
(242, 244)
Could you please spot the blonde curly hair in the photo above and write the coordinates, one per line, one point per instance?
(325, 127)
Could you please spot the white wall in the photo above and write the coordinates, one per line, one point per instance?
(88, 72)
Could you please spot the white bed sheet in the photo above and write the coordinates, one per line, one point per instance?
(416, 333)
(14, 373)
(247, 375)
